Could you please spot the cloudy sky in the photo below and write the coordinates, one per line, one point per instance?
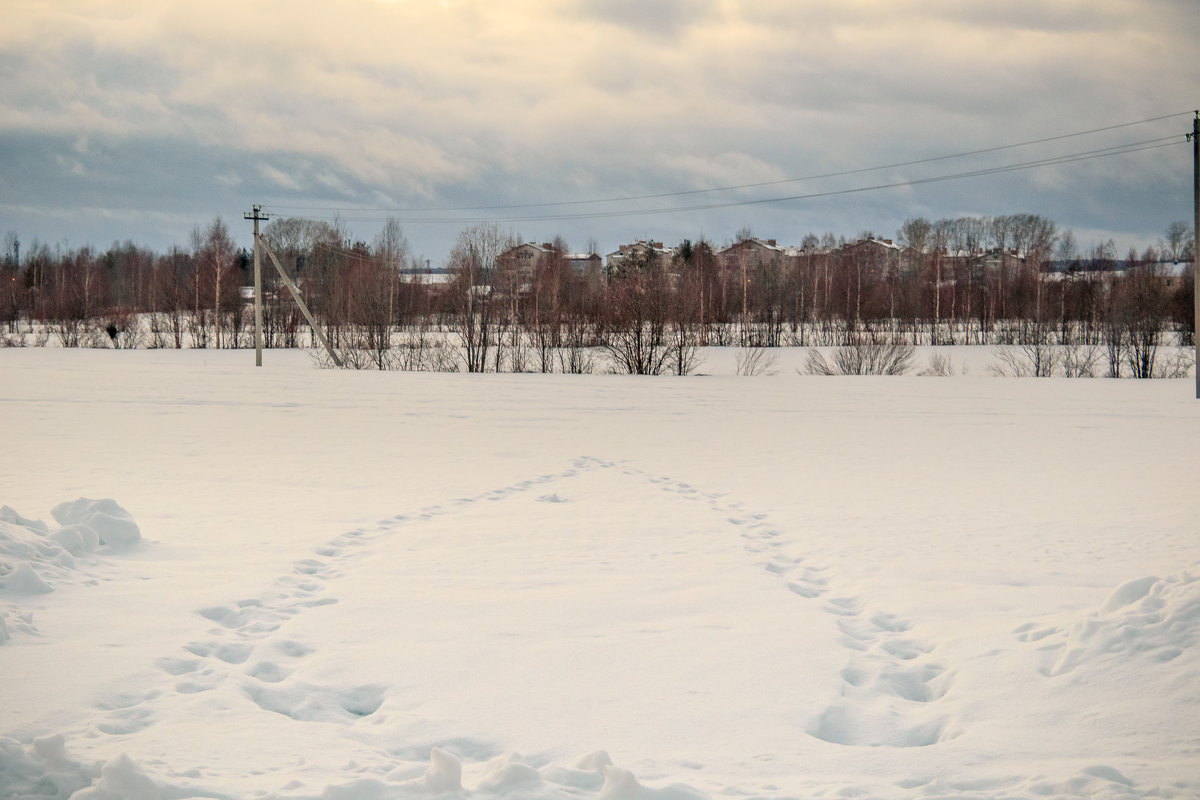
(122, 119)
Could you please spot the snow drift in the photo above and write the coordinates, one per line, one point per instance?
(352, 586)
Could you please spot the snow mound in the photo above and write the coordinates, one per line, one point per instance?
(23, 580)
(29, 558)
(42, 770)
(45, 770)
(511, 776)
(620, 784)
(112, 524)
(445, 772)
(1156, 619)
(35, 558)
(7, 514)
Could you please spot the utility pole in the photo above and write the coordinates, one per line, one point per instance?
(1194, 138)
(256, 214)
(1196, 243)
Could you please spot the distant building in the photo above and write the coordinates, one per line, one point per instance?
(878, 255)
(523, 259)
(991, 262)
(429, 276)
(636, 255)
(589, 265)
(750, 255)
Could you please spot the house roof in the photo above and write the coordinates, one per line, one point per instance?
(886, 244)
(765, 244)
(640, 244)
(527, 245)
(431, 276)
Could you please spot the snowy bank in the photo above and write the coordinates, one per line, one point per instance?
(374, 585)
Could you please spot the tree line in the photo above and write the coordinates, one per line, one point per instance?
(1006, 280)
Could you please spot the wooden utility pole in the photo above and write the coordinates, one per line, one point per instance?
(1195, 137)
(256, 214)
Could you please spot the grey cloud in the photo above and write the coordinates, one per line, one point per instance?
(651, 19)
(609, 99)
(913, 18)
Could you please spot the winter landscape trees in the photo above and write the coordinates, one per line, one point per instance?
(499, 304)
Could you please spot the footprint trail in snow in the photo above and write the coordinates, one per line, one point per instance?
(890, 684)
(241, 645)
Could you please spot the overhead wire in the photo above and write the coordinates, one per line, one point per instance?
(737, 187)
(1123, 149)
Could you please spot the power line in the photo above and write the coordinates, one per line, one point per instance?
(1124, 149)
(756, 185)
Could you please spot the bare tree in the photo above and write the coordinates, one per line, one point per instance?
(751, 361)
(916, 237)
(543, 319)
(865, 355)
(1144, 318)
(1035, 356)
(1177, 238)
(77, 293)
(473, 262)
(216, 279)
(391, 249)
(939, 242)
(636, 335)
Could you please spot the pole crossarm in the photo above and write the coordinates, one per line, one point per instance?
(287, 281)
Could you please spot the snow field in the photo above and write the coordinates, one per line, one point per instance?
(367, 586)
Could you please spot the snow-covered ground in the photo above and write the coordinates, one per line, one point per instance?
(376, 585)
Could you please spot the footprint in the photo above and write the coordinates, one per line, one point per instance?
(844, 606)
(230, 652)
(914, 684)
(235, 653)
(178, 666)
(854, 676)
(120, 701)
(309, 703)
(293, 649)
(226, 617)
(906, 649)
(199, 682)
(268, 672)
(890, 623)
(811, 576)
(846, 725)
(854, 634)
(125, 721)
(202, 649)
